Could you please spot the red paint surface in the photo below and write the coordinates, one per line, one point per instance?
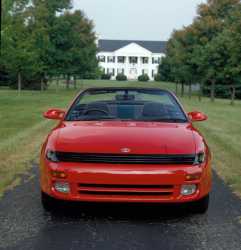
(140, 138)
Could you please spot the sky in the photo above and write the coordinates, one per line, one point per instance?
(138, 19)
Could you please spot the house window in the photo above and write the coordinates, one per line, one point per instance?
(110, 59)
(156, 60)
(133, 60)
(120, 71)
(101, 58)
(111, 71)
(145, 60)
(121, 59)
(153, 73)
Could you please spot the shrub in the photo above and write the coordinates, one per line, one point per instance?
(157, 77)
(91, 76)
(29, 82)
(4, 78)
(220, 91)
(121, 77)
(105, 77)
(143, 78)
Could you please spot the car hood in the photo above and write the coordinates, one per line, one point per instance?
(130, 137)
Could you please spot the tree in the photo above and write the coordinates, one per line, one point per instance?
(43, 38)
(17, 52)
(74, 45)
(212, 47)
(205, 51)
(179, 59)
(232, 34)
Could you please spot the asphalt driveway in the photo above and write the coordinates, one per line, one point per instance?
(24, 224)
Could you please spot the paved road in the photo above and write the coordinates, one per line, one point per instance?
(24, 225)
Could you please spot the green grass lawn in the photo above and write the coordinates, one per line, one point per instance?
(23, 129)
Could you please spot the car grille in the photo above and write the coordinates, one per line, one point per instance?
(125, 159)
(126, 190)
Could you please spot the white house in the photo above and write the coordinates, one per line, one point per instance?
(132, 58)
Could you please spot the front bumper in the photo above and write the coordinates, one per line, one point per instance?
(125, 183)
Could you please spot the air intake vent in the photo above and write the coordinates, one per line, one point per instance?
(125, 189)
(125, 159)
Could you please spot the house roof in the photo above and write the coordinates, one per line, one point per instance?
(113, 45)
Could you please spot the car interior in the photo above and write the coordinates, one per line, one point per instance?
(125, 107)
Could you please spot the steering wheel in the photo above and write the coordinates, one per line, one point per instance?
(96, 110)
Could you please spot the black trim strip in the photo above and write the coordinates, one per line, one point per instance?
(125, 159)
(127, 193)
(81, 185)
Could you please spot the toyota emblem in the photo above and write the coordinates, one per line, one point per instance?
(125, 150)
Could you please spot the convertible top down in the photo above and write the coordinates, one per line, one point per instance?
(125, 145)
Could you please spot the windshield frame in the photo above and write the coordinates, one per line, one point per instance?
(113, 89)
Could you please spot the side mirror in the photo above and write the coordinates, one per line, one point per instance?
(54, 114)
(196, 116)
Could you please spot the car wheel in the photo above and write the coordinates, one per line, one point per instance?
(48, 202)
(201, 206)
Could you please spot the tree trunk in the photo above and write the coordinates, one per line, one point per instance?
(213, 91)
(182, 91)
(82, 84)
(57, 83)
(176, 91)
(68, 82)
(200, 93)
(190, 90)
(19, 82)
(233, 92)
(75, 82)
(50, 80)
(42, 84)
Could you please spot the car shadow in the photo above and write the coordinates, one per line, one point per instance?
(120, 212)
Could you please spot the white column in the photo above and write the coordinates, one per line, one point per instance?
(127, 70)
(116, 66)
(150, 67)
(139, 70)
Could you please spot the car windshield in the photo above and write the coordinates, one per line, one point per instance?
(126, 105)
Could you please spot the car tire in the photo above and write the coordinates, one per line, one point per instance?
(48, 202)
(201, 206)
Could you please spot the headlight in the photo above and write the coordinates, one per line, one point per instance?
(188, 189)
(51, 156)
(62, 187)
(200, 158)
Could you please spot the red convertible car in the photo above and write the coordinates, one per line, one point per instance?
(126, 145)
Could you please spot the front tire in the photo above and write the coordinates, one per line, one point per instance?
(200, 206)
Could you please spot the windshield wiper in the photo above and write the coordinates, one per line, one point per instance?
(175, 120)
(99, 118)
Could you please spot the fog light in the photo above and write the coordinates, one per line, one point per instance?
(193, 177)
(188, 189)
(59, 174)
(62, 187)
